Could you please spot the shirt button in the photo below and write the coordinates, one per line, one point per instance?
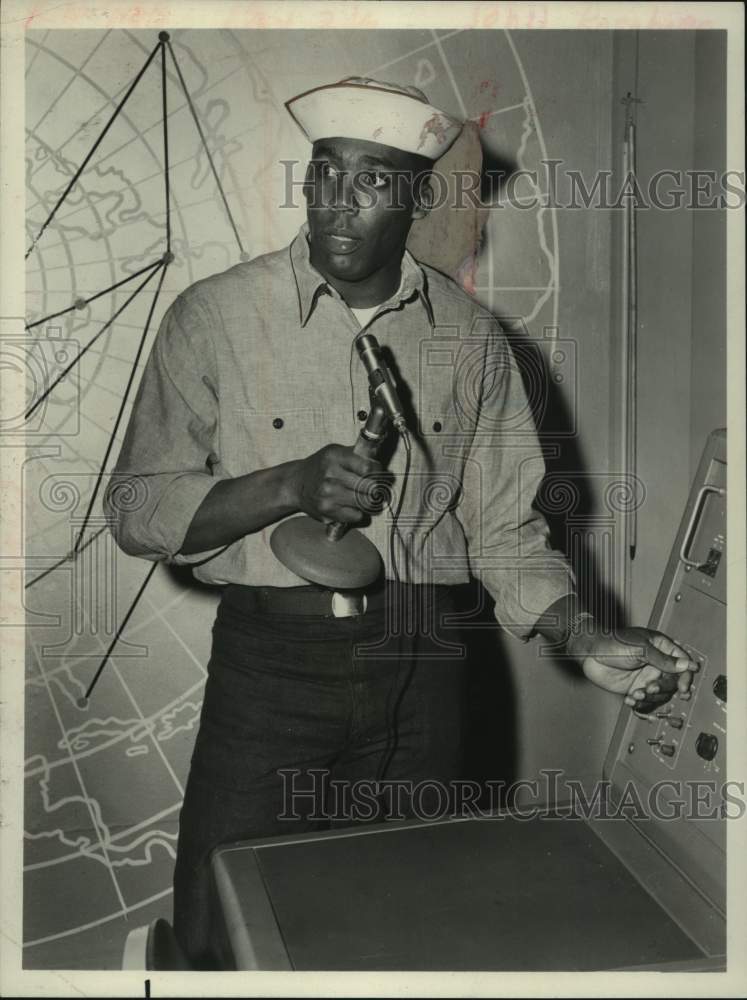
(437, 426)
(277, 423)
(362, 414)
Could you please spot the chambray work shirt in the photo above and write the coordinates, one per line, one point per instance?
(256, 366)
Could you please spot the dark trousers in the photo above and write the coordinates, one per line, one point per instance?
(301, 716)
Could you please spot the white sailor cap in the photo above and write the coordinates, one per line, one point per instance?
(360, 108)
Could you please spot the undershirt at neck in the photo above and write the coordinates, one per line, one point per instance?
(364, 315)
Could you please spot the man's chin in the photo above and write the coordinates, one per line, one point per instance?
(339, 266)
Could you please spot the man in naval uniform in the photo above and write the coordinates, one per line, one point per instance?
(245, 417)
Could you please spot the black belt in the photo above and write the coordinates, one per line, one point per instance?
(325, 603)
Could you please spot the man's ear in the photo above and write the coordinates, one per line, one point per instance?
(423, 198)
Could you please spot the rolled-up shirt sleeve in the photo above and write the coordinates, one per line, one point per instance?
(507, 537)
(169, 460)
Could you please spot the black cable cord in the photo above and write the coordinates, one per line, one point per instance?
(396, 514)
(391, 716)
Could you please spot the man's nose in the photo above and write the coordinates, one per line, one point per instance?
(344, 197)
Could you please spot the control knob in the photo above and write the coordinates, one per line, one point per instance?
(706, 746)
(719, 687)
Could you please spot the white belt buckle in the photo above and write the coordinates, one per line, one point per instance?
(347, 605)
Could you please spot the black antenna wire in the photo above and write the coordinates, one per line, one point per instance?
(149, 271)
(92, 150)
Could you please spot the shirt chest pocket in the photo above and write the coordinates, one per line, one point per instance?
(271, 437)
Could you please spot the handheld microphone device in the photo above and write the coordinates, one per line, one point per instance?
(380, 381)
(334, 555)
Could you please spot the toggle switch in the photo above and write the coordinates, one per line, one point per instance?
(665, 749)
(674, 720)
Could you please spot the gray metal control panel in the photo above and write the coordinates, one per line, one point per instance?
(676, 756)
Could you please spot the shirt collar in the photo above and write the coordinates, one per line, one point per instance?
(310, 284)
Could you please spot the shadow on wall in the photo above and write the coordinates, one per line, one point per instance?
(455, 242)
(566, 467)
(471, 177)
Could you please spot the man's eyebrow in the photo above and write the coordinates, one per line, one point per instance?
(325, 151)
(379, 161)
(329, 153)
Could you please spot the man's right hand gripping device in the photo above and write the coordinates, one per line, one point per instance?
(335, 555)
